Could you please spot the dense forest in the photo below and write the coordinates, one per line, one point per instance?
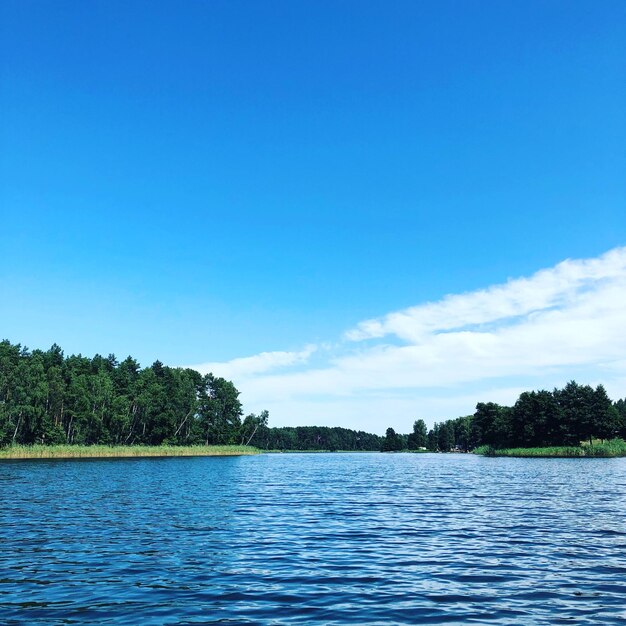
(562, 417)
(47, 398)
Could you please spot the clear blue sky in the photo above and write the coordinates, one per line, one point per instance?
(204, 180)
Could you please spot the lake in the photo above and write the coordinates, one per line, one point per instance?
(313, 539)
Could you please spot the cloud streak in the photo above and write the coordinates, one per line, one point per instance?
(244, 367)
(560, 322)
(548, 288)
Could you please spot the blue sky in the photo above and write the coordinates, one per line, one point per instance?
(206, 182)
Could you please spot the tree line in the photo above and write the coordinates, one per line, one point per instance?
(315, 438)
(48, 398)
(562, 417)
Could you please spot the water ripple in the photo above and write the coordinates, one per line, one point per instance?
(313, 539)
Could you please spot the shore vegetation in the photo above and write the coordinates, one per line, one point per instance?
(76, 451)
(612, 448)
(577, 420)
(48, 398)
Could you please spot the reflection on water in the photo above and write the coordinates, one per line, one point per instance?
(314, 539)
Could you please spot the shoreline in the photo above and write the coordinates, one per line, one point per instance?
(97, 452)
(607, 450)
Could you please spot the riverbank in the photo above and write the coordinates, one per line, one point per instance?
(72, 452)
(613, 448)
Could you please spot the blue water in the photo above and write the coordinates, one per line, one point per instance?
(313, 539)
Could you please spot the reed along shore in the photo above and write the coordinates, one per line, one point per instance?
(607, 449)
(97, 451)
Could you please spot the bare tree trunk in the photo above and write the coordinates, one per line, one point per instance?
(69, 430)
(252, 435)
(183, 422)
(19, 420)
(132, 423)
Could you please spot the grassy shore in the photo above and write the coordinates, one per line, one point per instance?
(613, 448)
(75, 452)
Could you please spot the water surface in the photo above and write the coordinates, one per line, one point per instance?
(313, 539)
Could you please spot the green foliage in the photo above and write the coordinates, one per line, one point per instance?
(493, 422)
(251, 425)
(432, 441)
(451, 435)
(612, 448)
(485, 450)
(392, 442)
(310, 438)
(620, 413)
(49, 399)
(74, 451)
(445, 437)
(562, 419)
(220, 411)
(419, 437)
(537, 419)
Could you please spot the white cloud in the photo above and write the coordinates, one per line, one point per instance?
(257, 364)
(547, 288)
(376, 412)
(540, 331)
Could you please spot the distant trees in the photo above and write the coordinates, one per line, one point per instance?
(620, 416)
(313, 438)
(220, 410)
(492, 423)
(251, 425)
(537, 419)
(419, 437)
(392, 442)
(463, 433)
(565, 416)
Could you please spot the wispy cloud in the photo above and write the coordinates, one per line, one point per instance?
(556, 287)
(536, 331)
(258, 364)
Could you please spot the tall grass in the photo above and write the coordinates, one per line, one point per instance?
(71, 452)
(612, 448)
